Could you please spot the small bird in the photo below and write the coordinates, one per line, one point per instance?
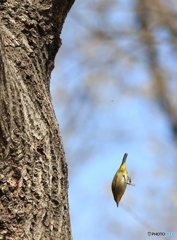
(120, 181)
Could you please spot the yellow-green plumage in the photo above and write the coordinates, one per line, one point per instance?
(120, 180)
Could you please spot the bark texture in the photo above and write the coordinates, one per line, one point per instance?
(33, 170)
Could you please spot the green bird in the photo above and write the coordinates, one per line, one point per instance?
(120, 181)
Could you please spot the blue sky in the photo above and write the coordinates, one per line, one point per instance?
(99, 122)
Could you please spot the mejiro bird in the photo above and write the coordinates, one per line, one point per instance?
(120, 181)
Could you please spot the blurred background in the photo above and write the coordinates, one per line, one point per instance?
(114, 90)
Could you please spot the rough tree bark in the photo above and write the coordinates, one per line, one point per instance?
(33, 170)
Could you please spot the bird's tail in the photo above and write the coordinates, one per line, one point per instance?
(124, 158)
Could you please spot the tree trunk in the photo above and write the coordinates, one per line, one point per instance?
(33, 170)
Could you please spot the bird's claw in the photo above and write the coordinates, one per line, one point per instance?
(130, 181)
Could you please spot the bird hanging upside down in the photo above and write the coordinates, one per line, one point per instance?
(120, 181)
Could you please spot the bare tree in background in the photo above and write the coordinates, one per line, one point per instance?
(110, 49)
(151, 19)
(33, 170)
